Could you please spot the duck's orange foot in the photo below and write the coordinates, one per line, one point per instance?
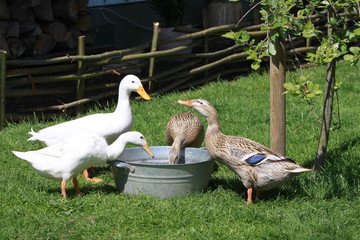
(94, 180)
(249, 196)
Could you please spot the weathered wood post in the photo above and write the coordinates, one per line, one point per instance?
(277, 98)
(2, 87)
(80, 84)
(206, 39)
(153, 49)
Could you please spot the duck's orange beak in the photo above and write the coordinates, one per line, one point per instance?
(141, 91)
(185, 102)
(148, 150)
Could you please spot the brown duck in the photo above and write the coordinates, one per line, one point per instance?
(183, 130)
(258, 167)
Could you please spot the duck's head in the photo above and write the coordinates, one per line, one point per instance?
(138, 139)
(201, 105)
(133, 84)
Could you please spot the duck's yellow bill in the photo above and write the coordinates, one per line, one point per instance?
(141, 91)
(185, 102)
(148, 150)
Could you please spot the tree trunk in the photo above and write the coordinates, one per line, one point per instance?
(328, 104)
(277, 98)
(327, 115)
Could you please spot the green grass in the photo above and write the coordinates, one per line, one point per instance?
(326, 206)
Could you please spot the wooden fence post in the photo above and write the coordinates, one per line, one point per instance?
(206, 39)
(153, 49)
(2, 87)
(277, 98)
(80, 85)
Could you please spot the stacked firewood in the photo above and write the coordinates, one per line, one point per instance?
(36, 27)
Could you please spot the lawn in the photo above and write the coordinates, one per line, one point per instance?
(321, 206)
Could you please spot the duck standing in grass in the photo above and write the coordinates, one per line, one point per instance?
(183, 130)
(258, 167)
(107, 125)
(65, 159)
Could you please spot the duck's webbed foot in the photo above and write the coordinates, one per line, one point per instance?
(88, 178)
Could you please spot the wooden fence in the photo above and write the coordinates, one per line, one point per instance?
(84, 77)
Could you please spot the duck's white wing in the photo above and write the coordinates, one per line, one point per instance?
(107, 125)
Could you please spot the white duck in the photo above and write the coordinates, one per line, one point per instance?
(107, 125)
(65, 159)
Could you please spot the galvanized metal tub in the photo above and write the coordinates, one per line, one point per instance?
(136, 172)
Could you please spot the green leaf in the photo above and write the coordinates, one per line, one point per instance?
(230, 35)
(333, 21)
(255, 65)
(303, 77)
(245, 36)
(272, 49)
(318, 92)
(357, 31)
(337, 85)
(289, 86)
(274, 36)
(348, 57)
(354, 50)
(309, 30)
(310, 95)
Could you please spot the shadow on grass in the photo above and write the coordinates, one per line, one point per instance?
(87, 188)
(336, 153)
(339, 176)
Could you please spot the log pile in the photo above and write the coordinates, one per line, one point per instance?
(36, 27)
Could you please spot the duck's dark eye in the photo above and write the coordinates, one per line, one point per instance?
(142, 137)
(133, 81)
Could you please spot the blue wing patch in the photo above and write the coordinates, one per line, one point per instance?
(255, 159)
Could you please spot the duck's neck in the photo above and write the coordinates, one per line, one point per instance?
(116, 148)
(213, 135)
(123, 100)
(213, 123)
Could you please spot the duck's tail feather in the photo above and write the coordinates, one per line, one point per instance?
(300, 170)
(22, 155)
(33, 135)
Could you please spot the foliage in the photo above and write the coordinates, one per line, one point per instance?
(289, 18)
(305, 88)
